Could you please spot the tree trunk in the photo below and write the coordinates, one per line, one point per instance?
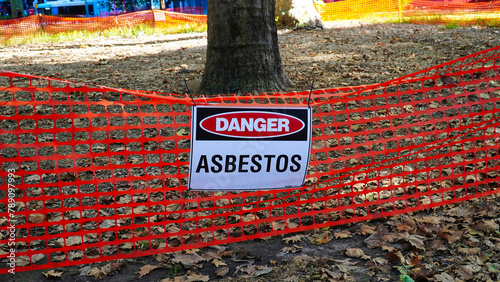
(16, 5)
(242, 54)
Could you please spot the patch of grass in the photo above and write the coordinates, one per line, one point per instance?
(450, 25)
(143, 29)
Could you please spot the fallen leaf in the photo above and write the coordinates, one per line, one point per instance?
(188, 260)
(487, 225)
(423, 273)
(197, 277)
(417, 241)
(248, 269)
(210, 255)
(52, 273)
(354, 252)
(469, 251)
(367, 229)
(218, 262)
(293, 239)
(192, 251)
(264, 271)
(116, 265)
(334, 274)
(493, 267)
(415, 261)
(395, 256)
(226, 254)
(35, 218)
(403, 227)
(323, 239)
(293, 249)
(376, 239)
(447, 80)
(346, 266)
(145, 270)
(342, 234)
(222, 271)
(97, 273)
(444, 277)
(455, 237)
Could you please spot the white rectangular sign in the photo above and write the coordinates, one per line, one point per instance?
(249, 148)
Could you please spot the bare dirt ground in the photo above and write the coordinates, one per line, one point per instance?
(454, 243)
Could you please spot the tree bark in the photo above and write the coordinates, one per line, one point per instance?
(242, 53)
(15, 6)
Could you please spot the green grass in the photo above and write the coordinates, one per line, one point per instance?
(450, 25)
(112, 32)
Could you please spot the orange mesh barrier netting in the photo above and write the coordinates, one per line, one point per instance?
(22, 28)
(93, 173)
(53, 24)
(418, 11)
(356, 9)
(35, 25)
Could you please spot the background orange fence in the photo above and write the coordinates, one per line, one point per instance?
(37, 24)
(415, 11)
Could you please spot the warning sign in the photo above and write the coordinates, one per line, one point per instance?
(249, 148)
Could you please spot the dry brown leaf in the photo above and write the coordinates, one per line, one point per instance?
(455, 237)
(115, 265)
(52, 273)
(403, 227)
(279, 225)
(36, 218)
(97, 273)
(218, 262)
(188, 260)
(367, 230)
(145, 270)
(323, 239)
(354, 252)
(222, 271)
(248, 269)
(417, 241)
(263, 270)
(192, 251)
(226, 254)
(376, 239)
(334, 273)
(415, 261)
(293, 239)
(487, 225)
(444, 277)
(293, 249)
(469, 251)
(342, 234)
(210, 255)
(395, 256)
(429, 219)
(197, 277)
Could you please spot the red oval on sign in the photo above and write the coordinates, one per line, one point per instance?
(252, 124)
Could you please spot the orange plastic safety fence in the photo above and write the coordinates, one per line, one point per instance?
(36, 25)
(356, 9)
(90, 174)
(416, 11)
